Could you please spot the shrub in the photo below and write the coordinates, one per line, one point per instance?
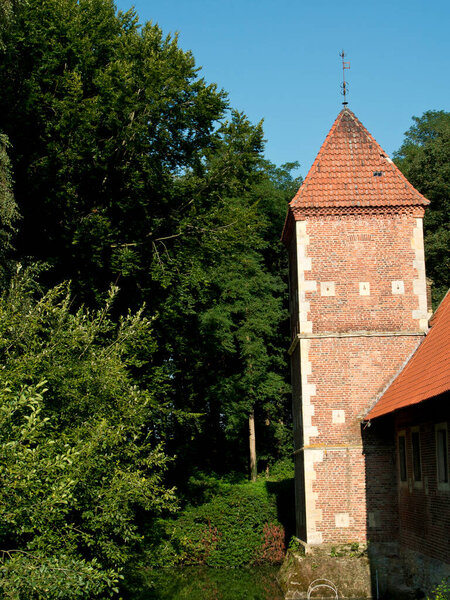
(236, 527)
(441, 591)
(273, 548)
(78, 457)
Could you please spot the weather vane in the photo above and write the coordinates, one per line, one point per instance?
(344, 84)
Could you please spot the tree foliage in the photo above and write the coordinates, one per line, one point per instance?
(9, 214)
(130, 170)
(231, 525)
(223, 328)
(102, 115)
(424, 158)
(81, 451)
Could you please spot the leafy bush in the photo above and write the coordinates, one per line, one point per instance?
(237, 526)
(78, 452)
(441, 591)
(282, 469)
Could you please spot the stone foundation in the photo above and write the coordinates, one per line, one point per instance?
(358, 573)
(347, 567)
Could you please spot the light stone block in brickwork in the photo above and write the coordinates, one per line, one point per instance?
(310, 389)
(423, 324)
(364, 288)
(314, 537)
(306, 327)
(307, 265)
(308, 411)
(419, 284)
(313, 514)
(338, 416)
(327, 288)
(311, 431)
(420, 314)
(342, 519)
(398, 287)
(308, 286)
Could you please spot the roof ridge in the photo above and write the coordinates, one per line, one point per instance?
(426, 373)
(444, 305)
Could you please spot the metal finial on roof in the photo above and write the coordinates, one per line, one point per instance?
(344, 84)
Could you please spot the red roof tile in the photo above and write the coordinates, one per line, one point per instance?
(427, 374)
(351, 169)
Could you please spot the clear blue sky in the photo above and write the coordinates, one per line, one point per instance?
(279, 61)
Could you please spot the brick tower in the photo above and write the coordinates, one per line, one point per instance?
(358, 308)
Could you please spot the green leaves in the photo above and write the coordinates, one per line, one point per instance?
(105, 116)
(227, 531)
(130, 170)
(36, 576)
(80, 452)
(424, 158)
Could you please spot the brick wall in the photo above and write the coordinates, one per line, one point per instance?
(381, 480)
(365, 269)
(348, 373)
(424, 509)
(358, 309)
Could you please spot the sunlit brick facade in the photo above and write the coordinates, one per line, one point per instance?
(358, 310)
(358, 305)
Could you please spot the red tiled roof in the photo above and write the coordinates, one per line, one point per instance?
(427, 374)
(351, 169)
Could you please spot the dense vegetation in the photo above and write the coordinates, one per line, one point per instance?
(227, 523)
(142, 311)
(143, 306)
(424, 158)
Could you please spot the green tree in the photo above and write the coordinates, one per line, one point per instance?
(223, 310)
(103, 115)
(126, 170)
(424, 158)
(8, 212)
(80, 457)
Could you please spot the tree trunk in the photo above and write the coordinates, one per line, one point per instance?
(252, 445)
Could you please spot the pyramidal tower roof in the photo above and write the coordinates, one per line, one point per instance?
(351, 169)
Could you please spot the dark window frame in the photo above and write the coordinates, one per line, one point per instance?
(442, 462)
(402, 461)
(416, 456)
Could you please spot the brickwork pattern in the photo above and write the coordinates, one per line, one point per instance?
(347, 373)
(381, 481)
(427, 374)
(424, 509)
(374, 250)
(358, 310)
(357, 278)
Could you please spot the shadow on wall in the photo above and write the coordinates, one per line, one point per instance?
(382, 506)
(408, 510)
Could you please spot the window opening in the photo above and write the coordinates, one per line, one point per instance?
(417, 466)
(402, 457)
(442, 455)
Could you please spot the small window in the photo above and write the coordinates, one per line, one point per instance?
(377, 173)
(402, 456)
(417, 464)
(442, 455)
